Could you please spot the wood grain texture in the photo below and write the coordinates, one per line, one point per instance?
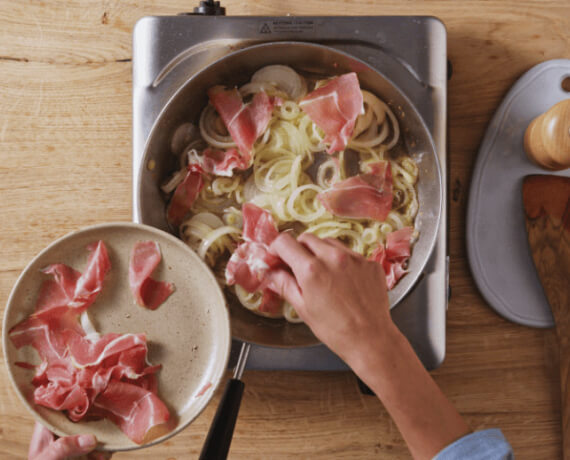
(65, 150)
(547, 137)
(546, 201)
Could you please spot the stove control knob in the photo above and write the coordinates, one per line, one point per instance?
(209, 8)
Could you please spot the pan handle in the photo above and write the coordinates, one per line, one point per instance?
(219, 437)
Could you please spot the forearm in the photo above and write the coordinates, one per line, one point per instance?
(427, 420)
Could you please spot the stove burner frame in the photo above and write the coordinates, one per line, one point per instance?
(409, 50)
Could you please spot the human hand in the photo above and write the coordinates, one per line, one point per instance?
(343, 298)
(339, 294)
(44, 446)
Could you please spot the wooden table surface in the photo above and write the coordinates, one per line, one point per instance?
(65, 163)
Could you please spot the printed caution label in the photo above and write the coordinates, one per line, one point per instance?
(287, 26)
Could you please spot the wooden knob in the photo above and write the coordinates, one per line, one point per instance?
(547, 137)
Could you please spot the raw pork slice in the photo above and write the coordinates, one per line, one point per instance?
(80, 373)
(394, 255)
(252, 260)
(244, 122)
(366, 196)
(271, 303)
(249, 264)
(334, 108)
(258, 224)
(220, 162)
(70, 288)
(185, 195)
(134, 409)
(148, 292)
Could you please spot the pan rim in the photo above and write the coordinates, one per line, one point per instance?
(407, 283)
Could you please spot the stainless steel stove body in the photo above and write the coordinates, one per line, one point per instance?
(410, 51)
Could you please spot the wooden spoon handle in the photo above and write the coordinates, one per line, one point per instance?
(546, 200)
(564, 343)
(547, 137)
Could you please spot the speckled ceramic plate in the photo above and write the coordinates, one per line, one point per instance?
(189, 334)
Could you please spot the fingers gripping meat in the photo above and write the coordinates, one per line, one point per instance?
(252, 259)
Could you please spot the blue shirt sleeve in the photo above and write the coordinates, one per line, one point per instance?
(481, 445)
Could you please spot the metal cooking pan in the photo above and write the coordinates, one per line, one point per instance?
(236, 69)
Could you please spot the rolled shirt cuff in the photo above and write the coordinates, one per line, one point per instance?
(482, 445)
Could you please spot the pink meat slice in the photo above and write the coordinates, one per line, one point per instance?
(366, 196)
(249, 264)
(148, 292)
(394, 255)
(134, 409)
(72, 289)
(65, 396)
(244, 122)
(258, 224)
(222, 162)
(271, 303)
(252, 260)
(184, 195)
(398, 244)
(88, 352)
(334, 108)
(45, 331)
(77, 369)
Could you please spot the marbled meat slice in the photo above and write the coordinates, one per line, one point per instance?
(148, 292)
(334, 108)
(366, 196)
(221, 162)
(72, 289)
(77, 368)
(134, 409)
(244, 122)
(184, 195)
(394, 255)
(250, 262)
(258, 225)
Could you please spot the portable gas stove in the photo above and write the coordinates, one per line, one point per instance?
(410, 51)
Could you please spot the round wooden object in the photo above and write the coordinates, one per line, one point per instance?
(547, 138)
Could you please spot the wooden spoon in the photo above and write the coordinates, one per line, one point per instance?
(547, 138)
(546, 201)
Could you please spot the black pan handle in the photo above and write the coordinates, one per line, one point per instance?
(217, 444)
(219, 437)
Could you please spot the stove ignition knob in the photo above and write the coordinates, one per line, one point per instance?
(209, 8)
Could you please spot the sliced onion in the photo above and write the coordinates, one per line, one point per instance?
(213, 236)
(208, 132)
(290, 314)
(174, 181)
(250, 190)
(284, 78)
(252, 88)
(211, 220)
(233, 216)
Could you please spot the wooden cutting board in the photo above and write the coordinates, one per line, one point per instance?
(546, 200)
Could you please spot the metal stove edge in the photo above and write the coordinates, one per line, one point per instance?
(428, 343)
